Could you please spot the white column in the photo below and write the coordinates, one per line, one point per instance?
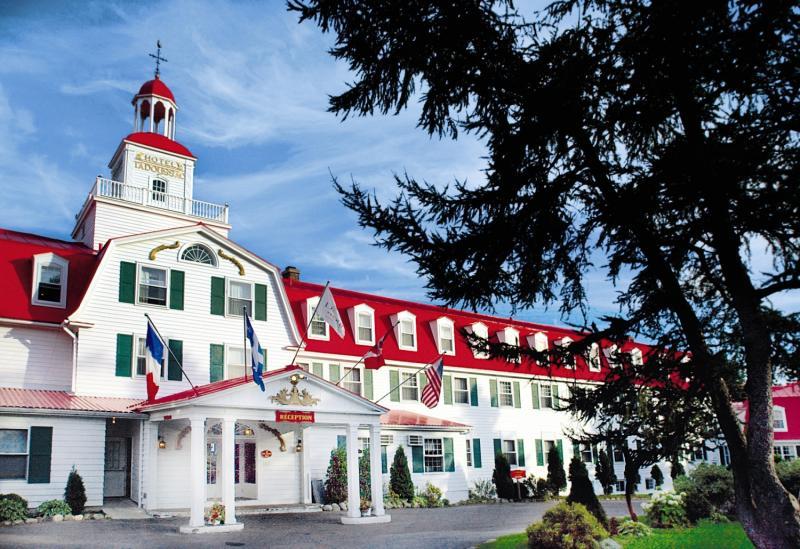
(197, 471)
(227, 468)
(353, 498)
(305, 466)
(375, 471)
(151, 466)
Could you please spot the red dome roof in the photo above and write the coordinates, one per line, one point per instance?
(156, 87)
(158, 141)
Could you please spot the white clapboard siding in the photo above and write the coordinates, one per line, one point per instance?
(35, 358)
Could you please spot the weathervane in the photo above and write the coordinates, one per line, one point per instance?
(158, 57)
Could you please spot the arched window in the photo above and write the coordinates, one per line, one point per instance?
(197, 253)
(159, 190)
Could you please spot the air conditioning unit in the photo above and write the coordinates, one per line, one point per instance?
(386, 440)
(414, 440)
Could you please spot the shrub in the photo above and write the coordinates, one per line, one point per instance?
(718, 518)
(682, 483)
(53, 507)
(75, 492)
(789, 475)
(364, 486)
(635, 529)
(696, 505)
(657, 475)
(604, 472)
(13, 508)
(567, 525)
(336, 477)
(482, 491)
(432, 496)
(556, 478)
(676, 468)
(613, 526)
(419, 501)
(536, 487)
(715, 482)
(400, 477)
(502, 477)
(666, 510)
(581, 490)
(393, 500)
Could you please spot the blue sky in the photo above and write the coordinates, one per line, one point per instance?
(252, 88)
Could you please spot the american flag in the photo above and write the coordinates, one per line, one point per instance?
(433, 390)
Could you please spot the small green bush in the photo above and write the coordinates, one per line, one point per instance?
(15, 497)
(666, 510)
(53, 507)
(696, 505)
(13, 508)
(419, 501)
(581, 490)
(393, 499)
(432, 496)
(718, 518)
(336, 477)
(567, 525)
(501, 476)
(789, 475)
(635, 529)
(400, 476)
(537, 488)
(482, 491)
(75, 492)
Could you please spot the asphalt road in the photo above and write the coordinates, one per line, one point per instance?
(452, 527)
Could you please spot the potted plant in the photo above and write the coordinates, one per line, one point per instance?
(365, 507)
(216, 515)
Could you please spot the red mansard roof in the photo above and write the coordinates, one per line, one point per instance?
(160, 142)
(62, 400)
(427, 350)
(16, 274)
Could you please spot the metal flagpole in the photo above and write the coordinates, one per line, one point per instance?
(404, 382)
(244, 347)
(360, 360)
(310, 320)
(178, 362)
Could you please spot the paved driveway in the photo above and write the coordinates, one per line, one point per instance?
(453, 527)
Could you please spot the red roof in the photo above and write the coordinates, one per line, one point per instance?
(158, 141)
(62, 400)
(16, 274)
(402, 418)
(787, 397)
(156, 87)
(427, 350)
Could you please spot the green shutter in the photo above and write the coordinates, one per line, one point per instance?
(394, 381)
(473, 391)
(449, 458)
(175, 360)
(316, 368)
(447, 388)
(535, 395)
(476, 453)
(334, 373)
(124, 355)
(368, 391)
(417, 460)
(127, 282)
(560, 447)
(341, 442)
(517, 402)
(176, 280)
(41, 449)
(261, 302)
(556, 402)
(595, 455)
(521, 452)
(217, 295)
(539, 451)
(423, 381)
(216, 362)
(384, 461)
(493, 393)
(498, 446)
(576, 449)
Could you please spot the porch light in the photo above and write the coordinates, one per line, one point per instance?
(162, 443)
(299, 447)
(247, 431)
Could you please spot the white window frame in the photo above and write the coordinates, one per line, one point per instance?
(348, 381)
(47, 260)
(215, 261)
(464, 391)
(354, 313)
(568, 360)
(593, 359)
(500, 394)
(436, 328)
(311, 305)
(542, 397)
(619, 486)
(426, 455)
(27, 452)
(228, 354)
(398, 320)
(610, 353)
(636, 357)
(584, 448)
(228, 282)
(139, 267)
(408, 385)
(469, 453)
(538, 342)
(785, 451)
(155, 193)
(779, 414)
(513, 451)
(481, 330)
(509, 336)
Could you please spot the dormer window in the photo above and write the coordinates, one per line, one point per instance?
(317, 328)
(480, 330)
(636, 357)
(611, 356)
(362, 318)
(405, 330)
(779, 419)
(49, 287)
(593, 358)
(538, 342)
(567, 359)
(444, 334)
(509, 336)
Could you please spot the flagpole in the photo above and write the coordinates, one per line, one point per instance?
(360, 360)
(178, 362)
(408, 378)
(310, 320)
(244, 348)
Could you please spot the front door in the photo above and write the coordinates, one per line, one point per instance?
(115, 477)
(245, 469)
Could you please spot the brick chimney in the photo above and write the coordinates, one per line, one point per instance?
(291, 272)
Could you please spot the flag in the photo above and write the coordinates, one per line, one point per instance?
(155, 359)
(327, 311)
(373, 359)
(256, 352)
(433, 390)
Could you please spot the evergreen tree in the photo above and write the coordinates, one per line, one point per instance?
(400, 477)
(556, 478)
(676, 468)
(657, 475)
(365, 489)
(582, 491)
(501, 476)
(336, 477)
(604, 472)
(75, 492)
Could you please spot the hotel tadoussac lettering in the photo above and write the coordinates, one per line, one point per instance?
(156, 164)
(294, 417)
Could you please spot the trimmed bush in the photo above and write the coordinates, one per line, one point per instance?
(635, 529)
(657, 475)
(75, 492)
(604, 472)
(696, 505)
(789, 475)
(556, 477)
(567, 525)
(676, 468)
(666, 510)
(715, 483)
(54, 507)
(12, 507)
(400, 477)
(336, 477)
(581, 490)
(502, 478)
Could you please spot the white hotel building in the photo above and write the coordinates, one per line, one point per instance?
(72, 327)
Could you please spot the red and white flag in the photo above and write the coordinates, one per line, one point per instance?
(433, 390)
(373, 359)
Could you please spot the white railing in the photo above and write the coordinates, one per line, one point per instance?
(139, 195)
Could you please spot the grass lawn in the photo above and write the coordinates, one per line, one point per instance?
(705, 535)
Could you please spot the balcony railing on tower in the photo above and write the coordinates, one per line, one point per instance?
(117, 190)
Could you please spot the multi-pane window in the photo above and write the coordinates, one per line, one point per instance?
(446, 342)
(353, 381)
(363, 445)
(593, 359)
(49, 285)
(619, 486)
(365, 328)
(234, 362)
(619, 456)
(408, 337)
(505, 393)
(159, 190)
(725, 454)
(240, 295)
(197, 253)
(469, 453)
(586, 453)
(786, 453)
(434, 456)
(152, 285)
(546, 396)
(410, 387)
(650, 484)
(481, 331)
(779, 419)
(13, 453)
(318, 327)
(460, 390)
(510, 451)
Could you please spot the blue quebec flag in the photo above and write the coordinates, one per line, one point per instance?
(257, 356)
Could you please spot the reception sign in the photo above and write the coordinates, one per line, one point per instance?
(294, 417)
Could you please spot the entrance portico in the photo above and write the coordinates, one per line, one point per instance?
(229, 440)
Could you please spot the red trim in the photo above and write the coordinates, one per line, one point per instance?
(160, 142)
(62, 400)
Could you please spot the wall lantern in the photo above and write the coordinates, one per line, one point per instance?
(162, 443)
(247, 431)
(299, 447)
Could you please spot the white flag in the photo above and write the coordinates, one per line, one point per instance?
(327, 311)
